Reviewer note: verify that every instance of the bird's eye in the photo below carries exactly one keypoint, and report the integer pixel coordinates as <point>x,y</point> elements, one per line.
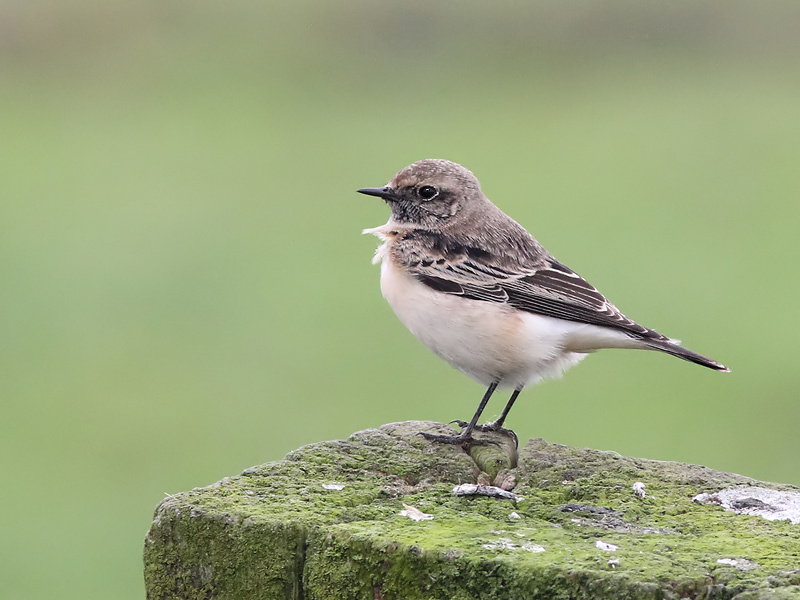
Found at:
<point>427,192</point>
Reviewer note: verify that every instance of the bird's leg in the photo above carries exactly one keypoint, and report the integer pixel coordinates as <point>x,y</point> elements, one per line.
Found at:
<point>496,425</point>
<point>465,437</point>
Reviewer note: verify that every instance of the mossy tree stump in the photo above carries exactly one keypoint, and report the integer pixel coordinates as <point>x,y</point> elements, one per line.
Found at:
<point>376,517</point>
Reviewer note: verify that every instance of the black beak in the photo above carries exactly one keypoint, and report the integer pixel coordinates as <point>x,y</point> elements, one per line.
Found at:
<point>386,193</point>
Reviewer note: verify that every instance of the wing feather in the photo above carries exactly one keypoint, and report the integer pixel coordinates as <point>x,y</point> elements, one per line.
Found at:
<point>530,280</point>
<point>546,288</point>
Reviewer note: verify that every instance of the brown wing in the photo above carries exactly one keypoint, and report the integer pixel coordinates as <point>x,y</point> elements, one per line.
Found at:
<point>541,285</point>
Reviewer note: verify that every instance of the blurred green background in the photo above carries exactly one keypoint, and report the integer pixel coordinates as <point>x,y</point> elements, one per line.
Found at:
<point>186,293</point>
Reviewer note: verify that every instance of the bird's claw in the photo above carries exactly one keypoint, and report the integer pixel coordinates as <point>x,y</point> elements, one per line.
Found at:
<point>492,427</point>
<point>465,441</point>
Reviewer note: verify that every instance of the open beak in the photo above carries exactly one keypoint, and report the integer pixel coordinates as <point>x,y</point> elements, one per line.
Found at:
<point>386,193</point>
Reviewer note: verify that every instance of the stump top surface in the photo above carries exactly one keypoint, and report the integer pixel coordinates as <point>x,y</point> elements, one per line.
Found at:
<point>375,516</point>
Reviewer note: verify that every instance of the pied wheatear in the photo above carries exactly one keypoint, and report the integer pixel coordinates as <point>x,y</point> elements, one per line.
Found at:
<point>478,290</point>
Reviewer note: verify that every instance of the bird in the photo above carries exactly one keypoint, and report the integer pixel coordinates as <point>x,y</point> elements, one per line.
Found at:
<point>484,295</point>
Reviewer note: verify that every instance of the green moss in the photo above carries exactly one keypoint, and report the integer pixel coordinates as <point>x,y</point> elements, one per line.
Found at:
<point>277,532</point>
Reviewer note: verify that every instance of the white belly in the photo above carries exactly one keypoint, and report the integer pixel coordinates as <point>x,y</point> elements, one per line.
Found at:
<point>491,341</point>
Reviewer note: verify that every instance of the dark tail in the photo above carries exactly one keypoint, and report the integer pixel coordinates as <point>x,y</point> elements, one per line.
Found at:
<point>676,350</point>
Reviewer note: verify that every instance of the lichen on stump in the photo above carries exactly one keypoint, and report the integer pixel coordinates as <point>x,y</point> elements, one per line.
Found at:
<point>375,517</point>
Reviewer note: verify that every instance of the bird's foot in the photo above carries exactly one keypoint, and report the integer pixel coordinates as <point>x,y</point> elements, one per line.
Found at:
<point>465,441</point>
<point>493,427</point>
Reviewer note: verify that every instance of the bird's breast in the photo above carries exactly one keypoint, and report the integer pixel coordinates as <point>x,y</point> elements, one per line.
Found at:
<point>488,341</point>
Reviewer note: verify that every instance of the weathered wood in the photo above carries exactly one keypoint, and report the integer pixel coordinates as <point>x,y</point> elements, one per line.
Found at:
<point>375,517</point>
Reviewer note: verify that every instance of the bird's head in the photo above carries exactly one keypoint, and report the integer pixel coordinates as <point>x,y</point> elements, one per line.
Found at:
<point>431,193</point>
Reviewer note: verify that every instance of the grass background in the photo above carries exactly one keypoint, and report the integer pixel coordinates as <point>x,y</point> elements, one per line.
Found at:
<point>185,292</point>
